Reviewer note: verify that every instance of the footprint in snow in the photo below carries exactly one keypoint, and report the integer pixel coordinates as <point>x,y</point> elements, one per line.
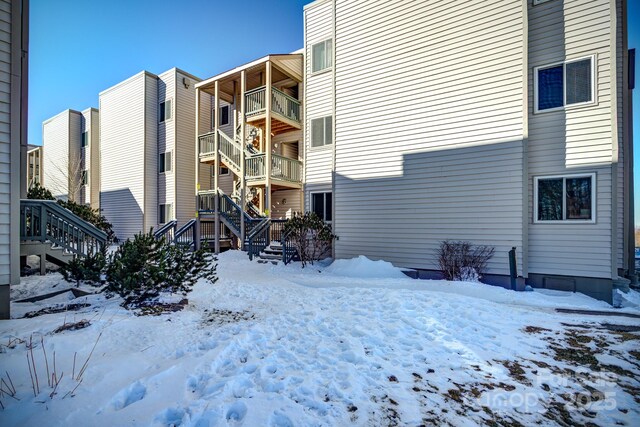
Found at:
<point>278,419</point>
<point>236,412</point>
<point>129,395</point>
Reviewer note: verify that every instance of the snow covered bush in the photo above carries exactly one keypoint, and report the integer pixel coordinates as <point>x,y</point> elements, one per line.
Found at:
<point>310,235</point>
<point>462,261</point>
<point>88,269</point>
<point>143,268</point>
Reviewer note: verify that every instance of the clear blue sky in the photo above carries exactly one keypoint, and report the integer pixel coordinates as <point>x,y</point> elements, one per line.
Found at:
<point>79,48</point>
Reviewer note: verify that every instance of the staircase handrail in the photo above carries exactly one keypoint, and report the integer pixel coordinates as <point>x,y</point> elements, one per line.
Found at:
<point>187,230</point>
<point>59,226</point>
<point>288,250</point>
<point>166,229</point>
<point>259,238</point>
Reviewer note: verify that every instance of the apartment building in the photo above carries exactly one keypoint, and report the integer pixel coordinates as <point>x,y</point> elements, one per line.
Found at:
<point>14,46</point>
<point>147,151</point>
<point>502,123</point>
<point>34,165</point>
<point>71,156</point>
<point>250,126</point>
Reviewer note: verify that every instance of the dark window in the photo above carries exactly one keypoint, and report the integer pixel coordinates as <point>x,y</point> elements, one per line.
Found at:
<point>85,177</point>
<point>84,141</point>
<point>165,111</point>
<point>321,205</point>
<point>322,131</point>
<point>164,162</point>
<point>165,213</point>
<point>565,198</point>
<point>224,115</point>
<point>564,84</point>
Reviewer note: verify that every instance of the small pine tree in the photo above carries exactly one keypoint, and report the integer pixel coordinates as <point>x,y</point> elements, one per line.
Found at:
<point>88,269</point>
<point>38,192</point>
<point>143,268</point>
<point>311,236</point>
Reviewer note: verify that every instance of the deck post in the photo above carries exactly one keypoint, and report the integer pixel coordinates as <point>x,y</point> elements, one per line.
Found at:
<point>243,111</point>
<point>267,137</point>
<point>216,164</point>
<point>197,187</point>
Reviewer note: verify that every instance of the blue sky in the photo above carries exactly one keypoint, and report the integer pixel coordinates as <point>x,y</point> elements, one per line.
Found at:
<point>79,48</point>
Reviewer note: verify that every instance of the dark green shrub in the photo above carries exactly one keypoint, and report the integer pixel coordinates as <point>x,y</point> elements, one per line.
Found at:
<point>143,268</point>
<point>88,269</point>
<point>310,235</point>
<point>38,192</point>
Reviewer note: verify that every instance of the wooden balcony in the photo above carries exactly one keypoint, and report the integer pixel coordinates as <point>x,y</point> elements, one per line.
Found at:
<point>285,172</point>
<point>285,110</point>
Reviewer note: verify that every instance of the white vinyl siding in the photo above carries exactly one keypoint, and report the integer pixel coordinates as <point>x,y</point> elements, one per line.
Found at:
<point>318,100</point>
<point>428,128</point>
<point>6,109</point>
<point>122,139</point>
<point>94,178</point>
<point>572,140</point>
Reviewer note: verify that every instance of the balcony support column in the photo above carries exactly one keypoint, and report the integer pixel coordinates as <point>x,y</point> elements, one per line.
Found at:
<point>216,164</point>
<point>197,181</point>
<point>243,112</point>
<point>267,138</point>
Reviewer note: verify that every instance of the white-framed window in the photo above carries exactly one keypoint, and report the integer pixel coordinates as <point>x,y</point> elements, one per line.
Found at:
<point>165,213</point>
<point>223,119</point>
<point>84,177</point>
<point>565,198</point>
<point>564,84</point>
<point>321,205</point>
<point>164,162</point>
<point>84,139</point>
<point>223,171</point>
<point>165,111</point>
<point>322,56</point>
<point>322,131</point>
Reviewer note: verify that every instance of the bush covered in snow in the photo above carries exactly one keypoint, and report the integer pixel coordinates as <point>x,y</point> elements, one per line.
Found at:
<point>88,269</point>
<point>143,268</point>
<point>463,261</point>
<point>310,235</point>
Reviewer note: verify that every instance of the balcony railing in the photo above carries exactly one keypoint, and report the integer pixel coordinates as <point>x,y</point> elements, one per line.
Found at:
<point>281,103</point>
<point>282,168</point>
<point>207,144</point>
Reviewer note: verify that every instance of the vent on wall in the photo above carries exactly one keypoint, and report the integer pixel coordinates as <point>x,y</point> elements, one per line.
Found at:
<point>186,82</point>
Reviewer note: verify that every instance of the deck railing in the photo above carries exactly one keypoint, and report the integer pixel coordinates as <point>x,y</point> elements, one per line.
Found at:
<point>47,221</point>
<point>167,231</point>
<point>207,144</point>
<point>230,150</point>
<point>281,103</point>
<point>254,167</point>
<point>286,169</point>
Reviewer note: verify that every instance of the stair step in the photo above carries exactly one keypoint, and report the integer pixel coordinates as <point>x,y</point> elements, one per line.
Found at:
<point>272,251</point>
<point>264,261</point>
<point>270,256</point>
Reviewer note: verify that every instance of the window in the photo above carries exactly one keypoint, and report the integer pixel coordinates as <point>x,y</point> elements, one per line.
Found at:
<point>564,198</point>
<point>223,119</point>
<point>164,162</point>
<point>223,171</point>
<point>84,177</point>
<point>564,84</point>
<point>165,110</point>
<point>84,140</point>
<point>165,213</point>
<point>535,2</point>
<point>321,205</point>
<point>321,131</point>
<point>322,56</point>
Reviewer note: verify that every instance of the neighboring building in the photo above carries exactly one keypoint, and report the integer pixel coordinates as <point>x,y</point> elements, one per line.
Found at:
<point>34,165</point>
<point>501,123</point>
<point>147,136</point>
<point>14,43</point>
<point>71,151</point>
<point>255,137</point>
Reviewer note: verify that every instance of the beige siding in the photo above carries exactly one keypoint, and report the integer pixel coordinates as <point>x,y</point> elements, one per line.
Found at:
<point>151,130</point>
<point>94,143</point>
<point>285,202</point>
<point>318,99</point>
<point>436,154</point>
<point>75,162</point>
<point>166,189</point>
<point>122,148</point>
<point>185,149</point>
<point>620,49</point>
<point>573,140</point>
<point>5,142</point>
<point>56,155</point>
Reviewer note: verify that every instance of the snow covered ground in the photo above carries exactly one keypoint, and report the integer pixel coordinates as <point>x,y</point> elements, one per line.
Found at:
<point>354,343</point>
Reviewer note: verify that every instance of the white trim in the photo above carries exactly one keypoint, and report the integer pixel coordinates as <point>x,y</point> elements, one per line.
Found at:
<point>594,84</point>
<point>591,175</point>
<point>536,2</point>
